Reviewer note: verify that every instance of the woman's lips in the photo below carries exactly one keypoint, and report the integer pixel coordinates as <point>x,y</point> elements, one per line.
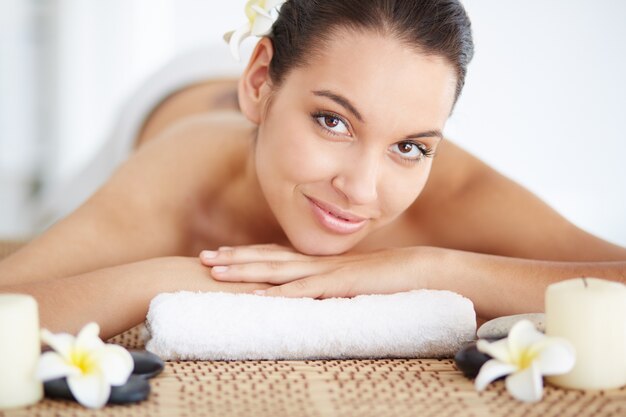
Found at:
<point>335,219</point>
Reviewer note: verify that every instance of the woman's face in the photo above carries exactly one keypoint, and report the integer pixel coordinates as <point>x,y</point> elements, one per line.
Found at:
<point>345,145</point>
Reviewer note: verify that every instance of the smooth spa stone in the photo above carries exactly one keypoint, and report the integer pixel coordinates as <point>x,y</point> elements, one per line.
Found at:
<point>469,360</point>
<point>500,327</point>
<point>147,364</point>
<point>136,389</point>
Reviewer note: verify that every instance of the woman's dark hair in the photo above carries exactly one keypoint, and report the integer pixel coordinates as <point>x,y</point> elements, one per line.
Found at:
<point>437,27</point>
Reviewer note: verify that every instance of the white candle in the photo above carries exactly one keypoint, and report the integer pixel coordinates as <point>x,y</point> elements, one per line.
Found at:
<point>590,313</point>
<point>19,351</point>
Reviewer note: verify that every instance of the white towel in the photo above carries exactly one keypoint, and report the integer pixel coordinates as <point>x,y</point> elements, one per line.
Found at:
<point>225,326</point>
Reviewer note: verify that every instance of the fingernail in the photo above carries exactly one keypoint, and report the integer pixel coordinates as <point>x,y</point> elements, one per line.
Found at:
<point>219,269</point>
<point>259,292</point>
<point>208,254</point>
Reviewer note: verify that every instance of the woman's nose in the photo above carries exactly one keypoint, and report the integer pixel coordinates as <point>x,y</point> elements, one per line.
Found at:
<point>358,179</point>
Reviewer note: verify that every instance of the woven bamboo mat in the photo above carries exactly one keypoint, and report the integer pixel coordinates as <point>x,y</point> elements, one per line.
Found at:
<point>384,387</point>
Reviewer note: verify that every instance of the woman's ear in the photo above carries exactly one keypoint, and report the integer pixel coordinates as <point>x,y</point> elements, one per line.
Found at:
<point>254,84</point>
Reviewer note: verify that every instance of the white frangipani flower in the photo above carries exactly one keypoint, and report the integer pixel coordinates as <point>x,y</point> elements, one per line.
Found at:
<point>527,355</point>
<point>261,16</point>
<point>90,365</point>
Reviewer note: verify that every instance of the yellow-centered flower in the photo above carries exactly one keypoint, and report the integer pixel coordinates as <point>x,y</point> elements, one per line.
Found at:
<point>526,354</point>
<point>90,365</point>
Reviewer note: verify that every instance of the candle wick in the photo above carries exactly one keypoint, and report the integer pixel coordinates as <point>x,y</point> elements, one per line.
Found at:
<point>585,282</point>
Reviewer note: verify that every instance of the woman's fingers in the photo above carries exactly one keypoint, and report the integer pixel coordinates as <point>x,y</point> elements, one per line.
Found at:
<point>273,272</point>
<point>318,286</point>
<point>248,254</point>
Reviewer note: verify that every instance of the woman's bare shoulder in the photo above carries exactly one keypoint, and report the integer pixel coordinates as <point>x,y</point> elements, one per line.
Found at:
<point>172,174</point>
<point>469,205</point>
<point>195,152</point>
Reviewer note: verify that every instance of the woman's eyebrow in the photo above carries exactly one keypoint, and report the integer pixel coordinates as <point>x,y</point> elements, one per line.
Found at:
<point>429,133</point>
<point>341,100</point>
<point>346,104</point>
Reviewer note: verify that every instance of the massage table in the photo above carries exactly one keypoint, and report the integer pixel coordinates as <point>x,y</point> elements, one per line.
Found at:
<point>381,387</point>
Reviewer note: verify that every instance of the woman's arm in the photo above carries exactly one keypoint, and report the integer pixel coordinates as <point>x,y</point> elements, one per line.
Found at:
<point>497,285</point>
<point>118,297</point>
<point>500,286</point>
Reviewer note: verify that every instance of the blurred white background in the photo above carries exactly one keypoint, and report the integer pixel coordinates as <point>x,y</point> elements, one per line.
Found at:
<point>543,102</point>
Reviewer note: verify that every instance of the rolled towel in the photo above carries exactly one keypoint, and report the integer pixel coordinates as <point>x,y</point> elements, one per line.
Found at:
<point>225,326</point>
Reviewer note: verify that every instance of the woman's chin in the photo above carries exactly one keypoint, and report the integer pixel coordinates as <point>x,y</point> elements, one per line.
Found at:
<point>322,247</point>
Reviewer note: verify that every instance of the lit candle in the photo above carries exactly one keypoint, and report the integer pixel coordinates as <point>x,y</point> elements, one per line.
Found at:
<point>591,314</point>
<point>19,351</point>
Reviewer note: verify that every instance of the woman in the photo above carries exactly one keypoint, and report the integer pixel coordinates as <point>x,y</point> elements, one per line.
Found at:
<point>317,187</point>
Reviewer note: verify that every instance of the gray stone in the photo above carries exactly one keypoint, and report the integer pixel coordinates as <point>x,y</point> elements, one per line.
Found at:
<point>499,327</point>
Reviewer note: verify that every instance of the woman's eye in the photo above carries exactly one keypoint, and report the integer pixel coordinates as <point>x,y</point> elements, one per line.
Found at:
<point>332,123</point>
<point>408,150</point>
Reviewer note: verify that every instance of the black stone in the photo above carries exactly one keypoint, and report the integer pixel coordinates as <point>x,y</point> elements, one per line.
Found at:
<point>136,389</point>
<point>147,364</point>
<point>57,388</point>
<point>469,360</point>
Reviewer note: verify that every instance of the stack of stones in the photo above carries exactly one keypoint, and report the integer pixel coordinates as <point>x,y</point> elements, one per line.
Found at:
<point>469,360</point>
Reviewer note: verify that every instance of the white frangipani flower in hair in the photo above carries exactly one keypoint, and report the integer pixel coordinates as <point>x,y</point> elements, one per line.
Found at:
<point>261,16</point>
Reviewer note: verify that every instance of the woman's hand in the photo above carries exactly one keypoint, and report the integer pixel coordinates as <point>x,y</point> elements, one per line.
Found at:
<point>297,275</point>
